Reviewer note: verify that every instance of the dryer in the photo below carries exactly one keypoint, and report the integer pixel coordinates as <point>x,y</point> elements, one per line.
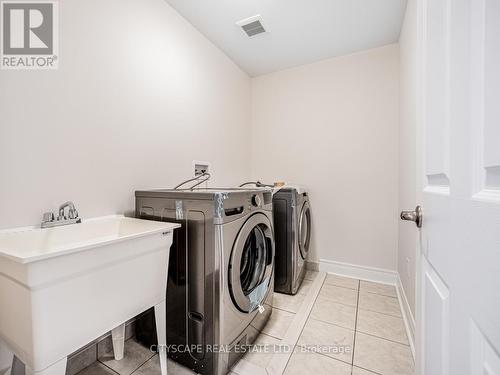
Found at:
<point>292,225</point>
<point>221,271</point>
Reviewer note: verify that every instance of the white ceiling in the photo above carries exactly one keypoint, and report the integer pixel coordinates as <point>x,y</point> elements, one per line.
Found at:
<point>300,31</point>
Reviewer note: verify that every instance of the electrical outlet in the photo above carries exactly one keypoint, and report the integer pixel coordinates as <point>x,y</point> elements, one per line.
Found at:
<point>200,167</point>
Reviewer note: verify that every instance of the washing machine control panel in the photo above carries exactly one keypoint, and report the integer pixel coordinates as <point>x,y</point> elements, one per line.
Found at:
<point>256,200</point>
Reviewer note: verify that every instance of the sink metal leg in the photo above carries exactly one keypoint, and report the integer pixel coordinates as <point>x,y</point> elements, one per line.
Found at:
<point>118,336</point>
<point>58,368</point>
<point>161,332</point>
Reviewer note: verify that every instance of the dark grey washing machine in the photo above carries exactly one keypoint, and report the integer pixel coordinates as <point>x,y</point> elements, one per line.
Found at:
<point>221,271</point>
<point>292,228</point>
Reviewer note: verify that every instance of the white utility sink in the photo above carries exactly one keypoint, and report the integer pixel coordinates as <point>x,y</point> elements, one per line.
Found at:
<point>63,287</point>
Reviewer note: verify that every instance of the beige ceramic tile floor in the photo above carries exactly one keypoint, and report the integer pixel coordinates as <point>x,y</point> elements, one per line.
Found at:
<point>354,328</point>
<point>137,360</point>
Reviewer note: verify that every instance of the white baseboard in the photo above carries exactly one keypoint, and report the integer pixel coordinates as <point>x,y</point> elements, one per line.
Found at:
<point>408,317</point>
<point>378,275</point>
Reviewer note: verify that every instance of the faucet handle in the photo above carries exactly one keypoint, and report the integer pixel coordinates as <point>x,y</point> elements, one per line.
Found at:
<point>48,216</point>
<point>62,207</point>
<point>72,213</point>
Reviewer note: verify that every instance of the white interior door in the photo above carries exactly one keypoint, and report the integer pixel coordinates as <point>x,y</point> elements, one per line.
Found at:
<point>458,313</point>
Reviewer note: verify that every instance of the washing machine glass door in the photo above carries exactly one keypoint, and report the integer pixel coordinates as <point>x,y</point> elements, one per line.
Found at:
<point>304,229</point>
<point>251,263</point>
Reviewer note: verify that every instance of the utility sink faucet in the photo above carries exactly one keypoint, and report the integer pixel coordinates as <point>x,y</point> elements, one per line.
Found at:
<point>62,219</point>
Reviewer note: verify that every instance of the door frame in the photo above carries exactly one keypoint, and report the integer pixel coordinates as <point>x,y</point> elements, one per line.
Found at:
<point>420,171</point>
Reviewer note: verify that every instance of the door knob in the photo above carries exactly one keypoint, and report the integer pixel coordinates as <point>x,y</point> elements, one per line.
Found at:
<point>415,216</point>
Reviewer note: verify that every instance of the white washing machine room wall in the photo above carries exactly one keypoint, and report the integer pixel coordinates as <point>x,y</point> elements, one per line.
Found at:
<point>221,271</point>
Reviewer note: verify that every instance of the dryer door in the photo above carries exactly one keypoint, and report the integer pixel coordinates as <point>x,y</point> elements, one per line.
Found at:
<point>251,263</point>
<point>304,229</point>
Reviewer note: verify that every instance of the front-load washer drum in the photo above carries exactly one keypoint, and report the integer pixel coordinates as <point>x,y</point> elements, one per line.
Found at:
<point>304,229</point>
<point>251,263</point>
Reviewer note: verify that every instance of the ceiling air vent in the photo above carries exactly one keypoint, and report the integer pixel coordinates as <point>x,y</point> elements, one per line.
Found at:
<point>252,26</point>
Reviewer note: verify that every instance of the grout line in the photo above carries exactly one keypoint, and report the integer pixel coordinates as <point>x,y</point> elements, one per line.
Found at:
<point>384,314</point>
<point>268,335</point>
<point>327,356</point>
<point>280,310</point>
<point>99,363</point>
<point>378,312</point>
<point>149,359</point>
<point>274,337</point>
<point>278,363</point>
<point>335,324</point>
<point>355,328</point>
<point>335,301</point>
<point>377,373</point>
<point>283,309</point>
<point>109,368</point>
<point>380,294</point>
<point>382,338</point>
<point>341,286</point>
<point>307,319</point>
